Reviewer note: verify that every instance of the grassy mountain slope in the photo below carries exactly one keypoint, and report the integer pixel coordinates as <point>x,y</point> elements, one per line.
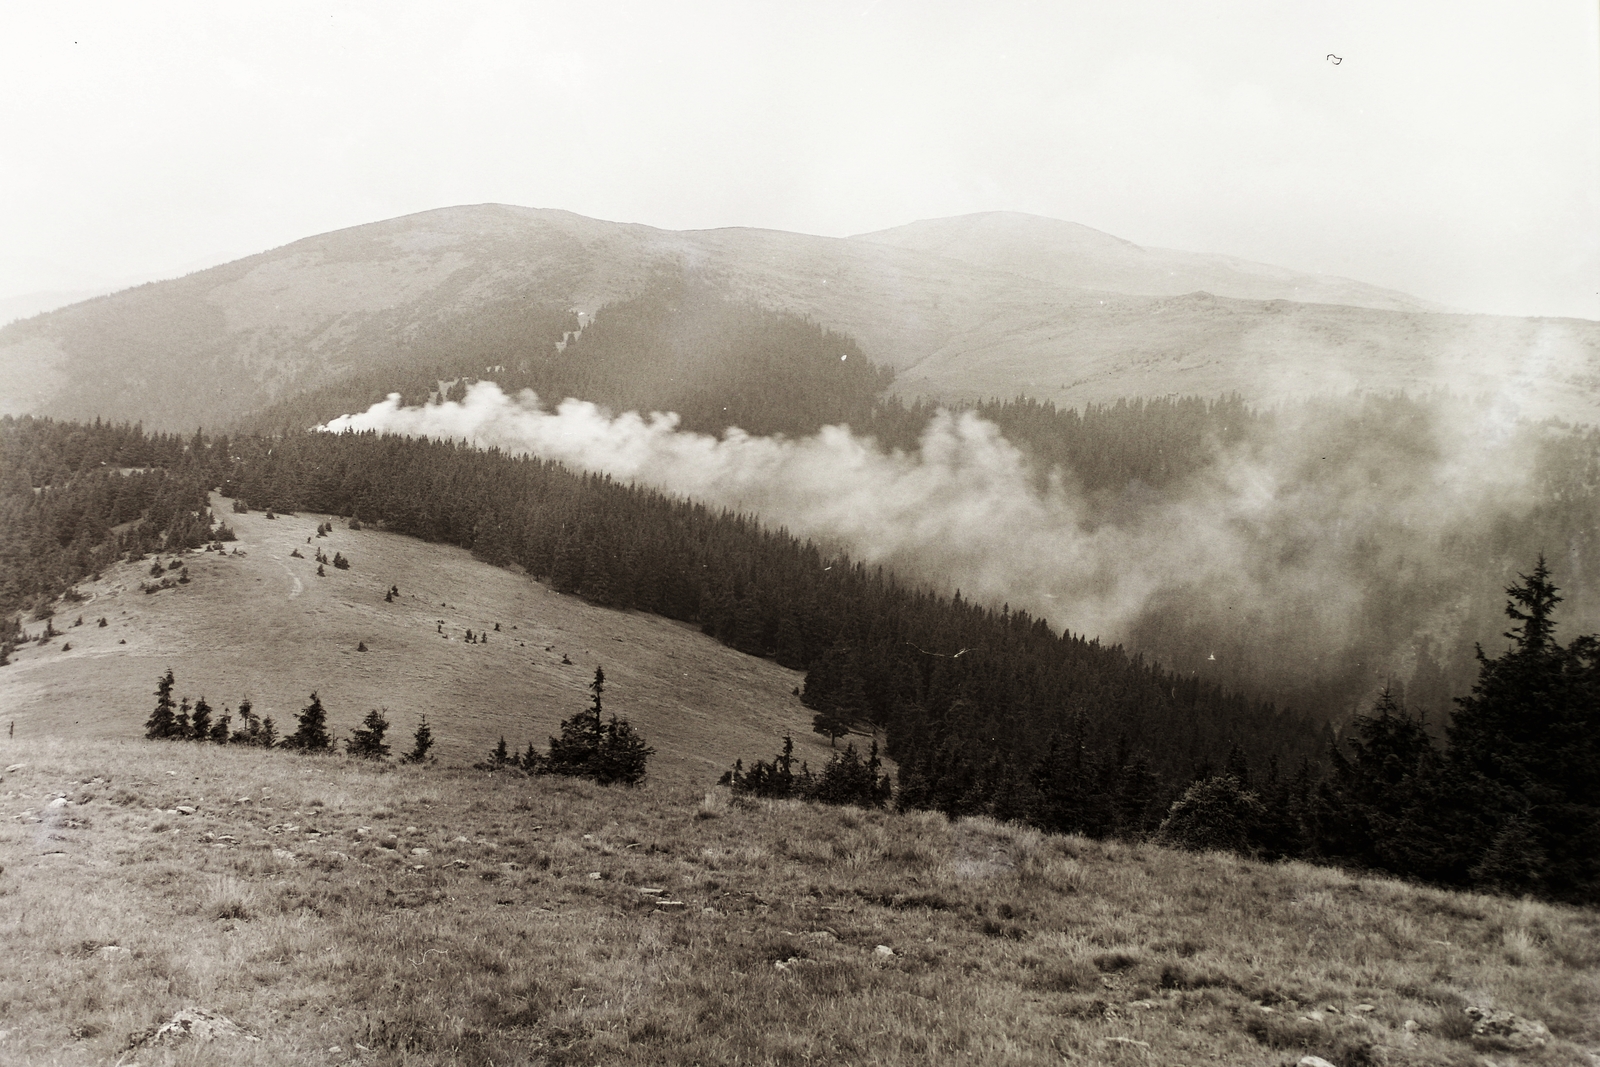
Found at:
<point>345,913</point>
<point>264,626</point>
<point>1071,255</point>
<point>968,308</point>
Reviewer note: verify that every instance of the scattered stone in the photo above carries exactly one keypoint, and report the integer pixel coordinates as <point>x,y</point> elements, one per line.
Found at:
<point>671,905</point>
<point>1364,1008</point>
<point>1506,1030</point>
<point>1313,1017</point>
<point>196,1023</point>
<point>460,865</point>
<point>421,852</point>
<point>335,1048</point>
<point>883,950</point>
<point>57,804</point>
<point>185,809</point>
<point>594,876</point>
<point>15,767</point>
<point>243,800</point>
<point>1313,1061</point>
<point>710,913</point>
<point>462,839</point>
<point>411,829</point>
<point>112,952</point>
<point>652,889</point>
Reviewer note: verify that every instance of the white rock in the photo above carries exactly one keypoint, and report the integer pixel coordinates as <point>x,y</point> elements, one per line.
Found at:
<point>671,905</point>
<point>57,804</point>
<point>10,769</point>
<point>185,809</point>
<point>594,876</point>
<point>1314,1061</point>
<point>421,852</point>
<point>883,950</point>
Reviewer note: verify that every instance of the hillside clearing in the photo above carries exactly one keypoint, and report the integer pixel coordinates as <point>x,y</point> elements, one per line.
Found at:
<point>264,625</point>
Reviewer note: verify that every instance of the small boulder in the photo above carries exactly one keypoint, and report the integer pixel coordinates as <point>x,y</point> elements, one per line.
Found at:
<point>1506,1030</point>
<point>189,1023</point>
<point>56,805</point>
<point>884,951</point>
<point>185,809</point>
<point>421,852</point>
<point>1313,1061</point>
<point>671,905</point>
<point>15,767</point>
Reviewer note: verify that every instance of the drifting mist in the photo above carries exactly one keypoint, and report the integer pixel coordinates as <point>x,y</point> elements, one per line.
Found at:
<point>1322,550</point>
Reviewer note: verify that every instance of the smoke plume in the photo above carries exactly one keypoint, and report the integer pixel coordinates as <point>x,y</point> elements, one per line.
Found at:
<point>1274,545</point>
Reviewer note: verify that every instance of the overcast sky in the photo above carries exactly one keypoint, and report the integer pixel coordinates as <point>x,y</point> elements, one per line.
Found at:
<point>1453,151</point>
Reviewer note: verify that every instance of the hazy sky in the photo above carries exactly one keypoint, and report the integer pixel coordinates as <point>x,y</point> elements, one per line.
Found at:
<point>1453,152</point>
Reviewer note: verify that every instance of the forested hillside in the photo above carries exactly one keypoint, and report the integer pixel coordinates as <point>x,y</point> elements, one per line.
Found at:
<point>681,347</point>
<point>986,711</point>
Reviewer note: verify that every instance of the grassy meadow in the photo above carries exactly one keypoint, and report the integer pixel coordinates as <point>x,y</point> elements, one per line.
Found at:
<point>349,912</point>
<point>344,912</point>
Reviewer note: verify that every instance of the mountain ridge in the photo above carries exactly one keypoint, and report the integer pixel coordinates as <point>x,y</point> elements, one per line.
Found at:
<point>213,347</point>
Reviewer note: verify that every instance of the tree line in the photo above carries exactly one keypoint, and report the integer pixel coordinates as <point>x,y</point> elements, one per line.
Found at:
<point>180,721</point>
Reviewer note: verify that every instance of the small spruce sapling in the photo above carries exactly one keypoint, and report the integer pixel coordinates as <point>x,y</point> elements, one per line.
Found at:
<point>423,740</point>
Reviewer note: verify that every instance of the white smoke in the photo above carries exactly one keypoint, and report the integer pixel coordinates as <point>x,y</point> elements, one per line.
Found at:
<point>1262,536</point>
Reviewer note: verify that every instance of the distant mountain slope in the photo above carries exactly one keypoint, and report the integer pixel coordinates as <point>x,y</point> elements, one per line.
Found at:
<point>964,308</point>
<point>1067,254</point>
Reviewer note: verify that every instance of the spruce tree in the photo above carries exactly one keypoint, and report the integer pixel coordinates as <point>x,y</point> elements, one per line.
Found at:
<point>311,735</point>
<point>366,741</point>
<point>1524,746</point>
<point>162,723</point>
<point>422,742</point>
<point>181,729</point>
<point>200,721</point>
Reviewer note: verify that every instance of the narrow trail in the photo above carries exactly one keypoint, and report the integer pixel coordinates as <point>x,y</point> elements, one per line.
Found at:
<point>297,585</point>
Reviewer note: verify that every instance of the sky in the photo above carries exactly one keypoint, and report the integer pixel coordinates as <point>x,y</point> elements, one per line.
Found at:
<point>1450,150</point>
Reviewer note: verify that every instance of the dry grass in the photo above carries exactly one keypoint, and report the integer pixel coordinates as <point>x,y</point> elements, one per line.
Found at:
<point>499,944</point>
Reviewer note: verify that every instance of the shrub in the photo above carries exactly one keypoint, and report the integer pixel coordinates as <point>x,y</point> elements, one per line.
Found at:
<point>1218,814</point>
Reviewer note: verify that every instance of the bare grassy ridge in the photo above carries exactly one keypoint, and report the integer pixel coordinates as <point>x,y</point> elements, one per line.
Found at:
<point>499,944</point>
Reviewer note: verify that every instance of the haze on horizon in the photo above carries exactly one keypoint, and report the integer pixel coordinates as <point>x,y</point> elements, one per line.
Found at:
<point>1452,152</point>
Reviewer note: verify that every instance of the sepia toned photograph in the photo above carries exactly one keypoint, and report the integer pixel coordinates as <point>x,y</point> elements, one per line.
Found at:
<point>886,532</point>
